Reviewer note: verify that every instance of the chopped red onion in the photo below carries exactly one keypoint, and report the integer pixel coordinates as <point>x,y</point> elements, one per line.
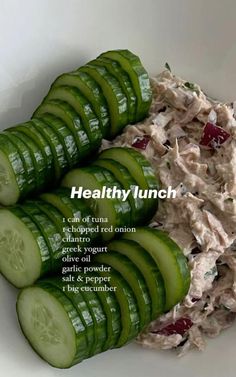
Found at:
<point>180,326</point>
<point>141,142</point>
<point>213,136</point>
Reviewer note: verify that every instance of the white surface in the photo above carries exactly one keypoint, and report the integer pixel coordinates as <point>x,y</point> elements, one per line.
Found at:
<point>40,39</point>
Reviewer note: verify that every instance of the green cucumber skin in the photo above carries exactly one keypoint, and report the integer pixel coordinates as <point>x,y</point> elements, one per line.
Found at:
<point>43,248</point>
<point>16,162</point>
<point>118,104</point>
<point>98,316</point>
<point>115,69</point>
<point>64,111</point>
<point>134,279</point>
<point>26,159</point>
<point>81,307</point>
<point>174,255</point>
<point>69,151</point>
<point>147,267</point>
<point>148,179</point>
<point>130,320</point>
<point>83,108</point>
<point>80,331</point>
<point>92,91</point>
<point>121,208</point>
<point>71,208</point>
<point>49,232</point>
<point>112,312</point>
<point>122,174</point>
<point>37,158</point>
<point>29,130</point>
<point>138,76</point>
<point>60,164</point>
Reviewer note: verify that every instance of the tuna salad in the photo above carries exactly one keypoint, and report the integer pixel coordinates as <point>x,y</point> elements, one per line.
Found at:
<point>190,140</point>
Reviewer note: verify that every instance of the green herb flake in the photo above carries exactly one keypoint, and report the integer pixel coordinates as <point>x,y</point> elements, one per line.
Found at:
<point>168,164</point>
<point>191,86</point>
<point>167,67</point>
<point>229,200</point>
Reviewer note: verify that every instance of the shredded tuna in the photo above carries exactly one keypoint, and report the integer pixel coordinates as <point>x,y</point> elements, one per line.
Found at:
<point>202,217</point>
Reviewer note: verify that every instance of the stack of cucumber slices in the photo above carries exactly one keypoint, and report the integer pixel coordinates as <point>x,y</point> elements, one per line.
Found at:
<point>35,235</point>
<point>82,107</point>
<point>146,275</point>
<point>138,275</point>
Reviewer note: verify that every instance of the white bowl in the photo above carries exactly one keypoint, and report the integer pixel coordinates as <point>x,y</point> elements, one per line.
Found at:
<point>39,40</point>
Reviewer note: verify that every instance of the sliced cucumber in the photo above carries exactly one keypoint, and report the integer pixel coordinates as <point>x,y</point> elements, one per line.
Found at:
<point>13,178</point>
<point>115,97</point>
<point>73,209</point>
<point>37,158</point>
<point>26,160</point>
<point>83,108</point>
<point>30,130</point>
<point>130,320</point>
<point>49,231</point>
<point>65,112</point>
<point>123,176</point>
<point>131,64</point>
<point>60,163</point>
<point>82,308</point>
<point>68,152</point>
<point>140,169</point>
<point>91,90</point>
<point>169,259</point>
<point>115,69</point>
<point>98,316</point>
<point>52,325</point>
<point>112,312</point>
<point>24,255</point>
<point>148,268</point>
<point>133,277</point>
<point>112,212</point>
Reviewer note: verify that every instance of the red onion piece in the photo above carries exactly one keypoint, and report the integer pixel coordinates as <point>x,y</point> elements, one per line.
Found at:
<point>180,326</point>
<point>213,136</point>
<point>141,142</point>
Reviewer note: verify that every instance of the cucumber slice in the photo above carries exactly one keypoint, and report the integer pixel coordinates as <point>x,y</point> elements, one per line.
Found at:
<point>133,277</point>
<point>68,152</point>
<point>81,306</point>
<point>57,219</point>
<point>29,130</point>
<point>147,267</point>
<point>131,64</point>
<point>26,160</point>
<point>83,108</point>
<point>126,180</point>
<point>52,325</point>
<point>98,316</point>
<point>112,212</point>
<point>130,320</point>
<point>13,178</point>
<point>73,209</point>
<point>24,255</point>
<point>65,112</point>
<point>112,312</point>
<point>60,163</point>
<point>50,233</point>
<point>115,97</point>
<point>92,91</point>
<point>37,158</point>
<point>115,69</point>
<point>140,169</point>
<point>169,259</point>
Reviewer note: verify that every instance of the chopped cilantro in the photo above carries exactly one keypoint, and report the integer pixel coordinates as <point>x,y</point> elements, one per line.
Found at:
<point>192,87</point>
<point>167,67</point>
<point>229,200</point>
